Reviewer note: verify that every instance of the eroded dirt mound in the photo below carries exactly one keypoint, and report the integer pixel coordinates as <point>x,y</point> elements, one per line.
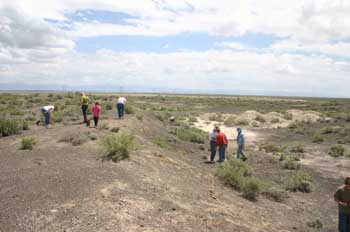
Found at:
<point>252,118</point>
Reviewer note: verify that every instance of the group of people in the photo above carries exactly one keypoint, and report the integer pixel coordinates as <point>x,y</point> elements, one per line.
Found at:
<point>85,102</point>
<point>219,142</point>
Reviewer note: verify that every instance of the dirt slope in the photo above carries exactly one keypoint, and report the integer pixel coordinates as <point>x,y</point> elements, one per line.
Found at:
<point>60,187</point>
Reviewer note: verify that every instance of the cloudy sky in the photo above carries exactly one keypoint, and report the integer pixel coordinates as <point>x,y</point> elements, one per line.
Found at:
<point>290,47</point>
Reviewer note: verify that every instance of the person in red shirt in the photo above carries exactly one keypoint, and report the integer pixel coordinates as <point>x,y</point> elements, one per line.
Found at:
<point>221,142</point>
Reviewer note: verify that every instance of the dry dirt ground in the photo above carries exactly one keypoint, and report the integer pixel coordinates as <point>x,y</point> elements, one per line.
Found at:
<point>61,187</point>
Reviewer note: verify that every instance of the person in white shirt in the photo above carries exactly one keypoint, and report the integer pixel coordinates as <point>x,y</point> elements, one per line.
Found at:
<point>213,147</point>
<point>47,110</point>
<point>121,106</point>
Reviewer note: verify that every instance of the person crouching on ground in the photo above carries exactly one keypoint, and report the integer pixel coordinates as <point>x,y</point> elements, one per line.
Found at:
<point>47,110</point>
<point>96,110</point>
<point>221,142</point>
<point>342,197</point>
<point>213,148</point>
<point>121,106</point>
<point>240,144</point>
<point>84,101</point>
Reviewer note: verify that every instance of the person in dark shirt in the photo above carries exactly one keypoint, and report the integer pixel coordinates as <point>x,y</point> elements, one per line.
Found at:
<point>342,197</point>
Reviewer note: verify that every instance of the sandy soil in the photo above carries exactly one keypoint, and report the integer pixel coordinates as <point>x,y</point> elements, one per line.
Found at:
<point>60,187</point>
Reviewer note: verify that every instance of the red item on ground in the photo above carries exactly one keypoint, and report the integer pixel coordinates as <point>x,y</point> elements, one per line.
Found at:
<point>221,139</point>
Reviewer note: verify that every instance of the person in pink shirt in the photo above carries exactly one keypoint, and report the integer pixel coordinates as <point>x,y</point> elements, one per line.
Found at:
<point>96,110</point>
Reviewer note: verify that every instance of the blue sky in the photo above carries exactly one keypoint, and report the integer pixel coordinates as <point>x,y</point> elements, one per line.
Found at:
<point>222,46</point>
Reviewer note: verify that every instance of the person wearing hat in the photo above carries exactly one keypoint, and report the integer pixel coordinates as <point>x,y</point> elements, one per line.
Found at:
<point>342,197</point>
<point>240,144</point>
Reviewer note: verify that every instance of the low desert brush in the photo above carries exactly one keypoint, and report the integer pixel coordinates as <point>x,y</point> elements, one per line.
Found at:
<point>27,143</point>
<point>300,182</point>
<point>117,147</point>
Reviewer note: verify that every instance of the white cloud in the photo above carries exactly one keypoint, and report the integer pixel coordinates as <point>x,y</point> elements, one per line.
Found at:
<point>224,70</point>
<point>35,51</point>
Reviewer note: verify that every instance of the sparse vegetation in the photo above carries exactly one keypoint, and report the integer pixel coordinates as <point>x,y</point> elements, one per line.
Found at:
<point>117,147</point>
<point>318,138</point>
<point>230,121</point>
<point>260,118</point>
<point>238,175</point>
<point>78,138</point>
<point>161,142</point>
<point>275,194</point>
<point>129,109</point>
<point>300,182</point>
<point>337,151</point>
<point>299,148</point>
<point>191,134</point>
<point>291,164</point>
<point>9,127</point>
<point>216,117</point>
<point>103,126</point>
<point>242,122</point>
<point>27,143</point>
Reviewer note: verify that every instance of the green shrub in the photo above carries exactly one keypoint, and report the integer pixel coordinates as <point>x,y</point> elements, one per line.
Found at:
<point>58,117</point>
<point>293,125</point>
<point>17,112</point>
<point>233,172</point>
<point>103,126</point>
<point>129,109</point>
<point>275,194</point>
<point>161,142</point>
<point>30,118</point>
<point>272,148</point>
<point>318,138</point>
<point>139,116</point>
<point>191,134</point>
<point>163,116</point>
<point>301,182</point>
<point>260,118</point>
<point>230,121</point>
<point>291,164</point>
<point>299,148</point>
<point>216,117</point>
<point>117,146</point>
<point>25,125</point>
<point>9,127</point>
<point>288,116</point>
<point>242,122</point>
<point>317,224</point>
<point>251,187</point>
<point>27,143</point>
<point>192,119</point>
<point>337,151</point>
<point>76,138</point>
<point>108,106</point>
<point>327,130</point>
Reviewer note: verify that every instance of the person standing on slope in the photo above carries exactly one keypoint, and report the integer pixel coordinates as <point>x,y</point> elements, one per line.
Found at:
<point>213,147</point>
<point>96,110</point>
<point>342,197</point>
<point>221,142</point>
<point>84,101</point>
<point>240,144</point>
<point>121,106</point>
